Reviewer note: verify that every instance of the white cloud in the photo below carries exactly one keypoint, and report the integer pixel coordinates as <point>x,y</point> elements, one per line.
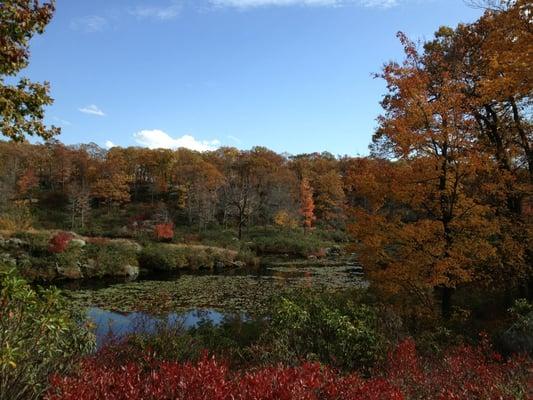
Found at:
<point>92,110</point>
<point>157,139</point>
<point>62,122</point>
<point>89,24</point>
<point>167,12</point>
<point>244,4</point>
<point>380,3</point>
<point>109,144</point>
<point>235,139</point>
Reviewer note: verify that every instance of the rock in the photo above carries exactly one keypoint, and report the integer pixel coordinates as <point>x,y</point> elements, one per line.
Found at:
<point>78,242</point>
<point>15,242</point>
<point>312,257</point>
<point>239,264</point>
<point>220,265</point>
<point>131,271</point>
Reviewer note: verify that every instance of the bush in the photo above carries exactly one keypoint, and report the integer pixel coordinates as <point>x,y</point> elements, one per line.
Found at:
<point>317,328</point>
<point>233,340</point>
<point>168,257</point>
<point>289,242</point>
<point>158,257</point>
<point>518,338</point>
<point>59,242</point>
<point>164,232</point>
<point>477,374</point>
<point>109,257</point>
<point>38,336</point>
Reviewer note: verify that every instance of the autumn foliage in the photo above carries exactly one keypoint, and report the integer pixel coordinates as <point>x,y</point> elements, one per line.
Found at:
<point>439,207</point>
<point>307,209</point>
<point>59,242</point>
<point>164,232</point>
<point>477,373</point>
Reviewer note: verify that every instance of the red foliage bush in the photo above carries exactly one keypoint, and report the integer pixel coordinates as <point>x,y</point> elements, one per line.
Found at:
<point>164,232</point>
<point>463,373</point>
<point>59,242</point>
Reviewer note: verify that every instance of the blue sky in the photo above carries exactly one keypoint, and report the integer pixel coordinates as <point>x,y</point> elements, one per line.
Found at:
<point>291,75</point>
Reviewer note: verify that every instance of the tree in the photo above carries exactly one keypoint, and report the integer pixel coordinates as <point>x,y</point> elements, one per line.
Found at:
<point>440,236</point>
<point>307,209</point>
<point>79,206</point>
<point>22,105</point>
<point>199,181</point>
<point>491,61</point>
<point>112,184</point>
<point>27,183</point>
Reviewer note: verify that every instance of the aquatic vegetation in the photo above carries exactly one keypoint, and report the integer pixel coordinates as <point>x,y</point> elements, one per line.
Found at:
<point>229,293</point>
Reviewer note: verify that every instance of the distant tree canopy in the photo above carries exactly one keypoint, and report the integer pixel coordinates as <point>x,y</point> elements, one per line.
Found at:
<point>226,187</point>
<point>22,104</point>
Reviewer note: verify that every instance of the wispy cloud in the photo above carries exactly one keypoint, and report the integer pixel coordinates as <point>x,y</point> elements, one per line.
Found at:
<point>380,3</point>
<point>92,110</point>
<point>157,139</point>
<point>245,4</point>
<point>235,139</point>
<point>163,12</point>
<point>89,24</point>
<point>62,122</point>
<point>109,144</point>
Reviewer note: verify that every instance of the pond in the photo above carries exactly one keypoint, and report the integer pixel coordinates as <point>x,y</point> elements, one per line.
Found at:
<point>119,308</point>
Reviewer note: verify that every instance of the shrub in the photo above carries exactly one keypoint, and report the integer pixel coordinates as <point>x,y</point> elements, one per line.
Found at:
<point>109,257</point>
<point>59,242</point>
<point>477,374</point>
<point>287,242</point>
<point>168,257</point>
<point>519,336</point>
<point>164,232</point>
<point>158,257</point>
<point>38,336</point>
<point>463,372</point>
<point>248,257</point>
<point>313,327</point>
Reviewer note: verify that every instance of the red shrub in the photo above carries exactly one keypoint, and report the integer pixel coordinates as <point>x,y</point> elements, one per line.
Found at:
<point>164,232</point>
<point>464,373</point>
<point>59,242</point>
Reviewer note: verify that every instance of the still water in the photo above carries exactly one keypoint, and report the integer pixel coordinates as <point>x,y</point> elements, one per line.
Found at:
<point>118,308</point>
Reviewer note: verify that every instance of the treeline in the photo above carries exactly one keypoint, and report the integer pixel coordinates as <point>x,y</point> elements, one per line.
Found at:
<point>226,187</point>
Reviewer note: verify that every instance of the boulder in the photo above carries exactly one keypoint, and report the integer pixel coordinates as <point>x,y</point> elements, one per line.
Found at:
<point>238,264</point>
<point>131,271</point>
<point>16,242</point>
<point>78,242</point>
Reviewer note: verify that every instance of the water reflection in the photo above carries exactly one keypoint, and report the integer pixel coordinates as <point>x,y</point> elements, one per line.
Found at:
<point>113,324</point>
<point>162,299</point>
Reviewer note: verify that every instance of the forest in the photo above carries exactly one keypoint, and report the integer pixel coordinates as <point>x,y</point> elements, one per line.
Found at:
<point>334,277</point>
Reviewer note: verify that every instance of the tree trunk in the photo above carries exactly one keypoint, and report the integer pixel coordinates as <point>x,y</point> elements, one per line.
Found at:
<point>446,302</point>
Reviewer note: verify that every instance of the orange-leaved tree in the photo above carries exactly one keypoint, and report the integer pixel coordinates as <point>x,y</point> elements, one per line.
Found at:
<point>424,231</point>
<point>307,209</point>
